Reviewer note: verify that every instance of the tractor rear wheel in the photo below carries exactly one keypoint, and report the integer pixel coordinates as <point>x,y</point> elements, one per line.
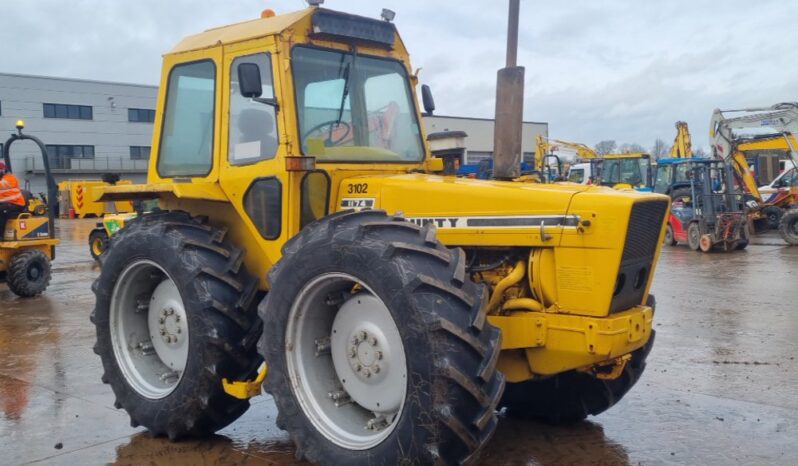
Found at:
<point>571,396</point>
<point>175,315</point>
<point>669,239</point>
<point>694,236</point>
<point>98,242</point>
<point>789,227</point>
<point>29,273</point>
<point>377,345</point>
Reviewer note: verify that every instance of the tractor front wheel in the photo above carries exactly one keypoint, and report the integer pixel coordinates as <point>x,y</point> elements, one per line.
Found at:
<point>29,273</point>
<point>174,316</point>
<point>377,345</point>
<point>789,227</point>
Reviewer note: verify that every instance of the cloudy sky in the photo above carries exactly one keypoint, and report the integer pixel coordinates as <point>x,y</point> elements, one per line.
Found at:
<point>622,69</point>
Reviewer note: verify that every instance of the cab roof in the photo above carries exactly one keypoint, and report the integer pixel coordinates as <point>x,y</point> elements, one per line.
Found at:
<point>324,23</point>
<point>230,34</point>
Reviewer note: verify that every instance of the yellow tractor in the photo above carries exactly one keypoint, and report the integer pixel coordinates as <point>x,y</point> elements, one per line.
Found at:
<point>28,243</point>
<point>306,239</point>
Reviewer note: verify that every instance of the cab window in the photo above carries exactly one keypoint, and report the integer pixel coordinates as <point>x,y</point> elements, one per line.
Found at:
<point>576,175</point>
<point>186,147</point>
<point>663,180</point>
<point>354,107</point>
<point>253,131</point>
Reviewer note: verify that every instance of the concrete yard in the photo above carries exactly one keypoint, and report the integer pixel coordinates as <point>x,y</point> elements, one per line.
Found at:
<point>721,385</point>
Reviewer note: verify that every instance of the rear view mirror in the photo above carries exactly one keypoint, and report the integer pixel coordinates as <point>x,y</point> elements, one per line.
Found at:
<point>426,98</point>
<point>249,82</point>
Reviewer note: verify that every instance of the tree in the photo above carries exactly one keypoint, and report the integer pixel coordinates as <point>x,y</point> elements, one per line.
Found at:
<point>605,147</point>
<point>699,152</point>
<point>627,148</point>
<point>659,149</point>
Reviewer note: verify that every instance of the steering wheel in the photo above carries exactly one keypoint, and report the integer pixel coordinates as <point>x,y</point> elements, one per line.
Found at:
<point>332,124</point>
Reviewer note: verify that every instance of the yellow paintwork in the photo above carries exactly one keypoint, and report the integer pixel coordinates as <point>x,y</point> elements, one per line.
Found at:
<point>83,197</point>
<point>556,342</point>
<point>682,146</point>
<point>246,389</point>
<point>778,142</point>
<point>571,270</point>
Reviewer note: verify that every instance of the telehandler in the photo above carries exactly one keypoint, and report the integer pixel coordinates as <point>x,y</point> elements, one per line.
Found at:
<point>382,304</point>
<point>27,246</point>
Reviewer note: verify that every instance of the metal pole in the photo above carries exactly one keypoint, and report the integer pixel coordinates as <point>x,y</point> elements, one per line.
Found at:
<point>512,33</point>
<point>507,134</point>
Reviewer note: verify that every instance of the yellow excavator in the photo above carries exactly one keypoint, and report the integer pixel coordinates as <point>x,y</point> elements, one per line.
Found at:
<point>780,208</point>
<point>682,147</point>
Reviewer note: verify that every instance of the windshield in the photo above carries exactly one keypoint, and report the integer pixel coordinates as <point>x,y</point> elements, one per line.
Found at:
<point>354,107</point>
<point>663,181</point>
<point>633,171</point>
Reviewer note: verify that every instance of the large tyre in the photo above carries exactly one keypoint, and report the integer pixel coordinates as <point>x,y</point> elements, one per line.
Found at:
<point>174,316</point>
<point>346,284</point>
<point>669,239</point>
<point>98,243</point>
<point>789,227</point>
<point>29,273</point>
<point>773,215</point>
<point>694,236</point>
<point>571,396</point>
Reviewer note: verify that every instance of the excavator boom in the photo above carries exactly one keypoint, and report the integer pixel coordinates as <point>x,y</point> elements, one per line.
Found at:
<point>682,147</point>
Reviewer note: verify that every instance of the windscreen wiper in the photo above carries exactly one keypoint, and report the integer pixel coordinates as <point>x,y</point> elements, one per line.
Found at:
<point>347,74</point>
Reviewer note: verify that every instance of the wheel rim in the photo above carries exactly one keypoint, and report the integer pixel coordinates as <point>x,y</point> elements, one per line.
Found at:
<point>97,246</point>
<point>694,237</point>
<point>149,329</point>
<point>346,361</point>
<point>34,272</point>
<point>668,235</point>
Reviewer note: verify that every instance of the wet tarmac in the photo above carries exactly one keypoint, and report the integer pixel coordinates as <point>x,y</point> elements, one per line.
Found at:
<point>721,386</point>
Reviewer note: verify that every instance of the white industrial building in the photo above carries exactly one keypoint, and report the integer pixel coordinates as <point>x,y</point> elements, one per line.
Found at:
<point>90,127</point>
<point>479,143</point>
<point>97,127</point>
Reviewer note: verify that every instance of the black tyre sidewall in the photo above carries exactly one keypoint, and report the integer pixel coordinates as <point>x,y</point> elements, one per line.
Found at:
<point>416,347</point>
<point>166,415</point>
<point>17,276</point>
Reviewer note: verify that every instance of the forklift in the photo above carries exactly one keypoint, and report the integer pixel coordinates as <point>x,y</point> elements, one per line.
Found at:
<point>708,210</point>
<point>27,246</point>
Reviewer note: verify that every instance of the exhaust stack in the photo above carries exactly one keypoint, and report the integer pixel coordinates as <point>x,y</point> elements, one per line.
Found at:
<point>507,152</point>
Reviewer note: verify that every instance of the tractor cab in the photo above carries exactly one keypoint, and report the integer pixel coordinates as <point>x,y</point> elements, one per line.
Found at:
<point>27,245</point>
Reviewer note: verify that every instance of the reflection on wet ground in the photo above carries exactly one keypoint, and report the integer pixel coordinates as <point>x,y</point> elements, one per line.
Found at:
<point>721,386</point>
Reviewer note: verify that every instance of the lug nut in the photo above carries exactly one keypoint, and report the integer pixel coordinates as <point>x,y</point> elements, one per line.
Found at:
<point>378,354</point>
<point>163,332</point>
<point>162,320</point>
<point>353,352</point>
<point>359,368</point>
<point>355,340</point>
<point>373,341</point>
<point>363,335</point>
<point>376,369</point>
<point>367,373</point>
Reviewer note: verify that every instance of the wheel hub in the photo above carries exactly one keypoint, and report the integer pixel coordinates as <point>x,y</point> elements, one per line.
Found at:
<point>362,344</point>
<point>167,324</point>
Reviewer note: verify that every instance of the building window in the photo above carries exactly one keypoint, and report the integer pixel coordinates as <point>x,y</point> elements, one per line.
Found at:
<point>140,115</point>
<point>139,152</point>
<point>61,154</point>
<point>73,112</point>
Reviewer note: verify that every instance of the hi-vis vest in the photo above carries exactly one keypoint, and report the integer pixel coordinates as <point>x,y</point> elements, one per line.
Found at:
<point>9,190</point>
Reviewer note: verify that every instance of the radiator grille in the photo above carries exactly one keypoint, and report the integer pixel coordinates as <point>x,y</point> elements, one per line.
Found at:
<point>642,235</point>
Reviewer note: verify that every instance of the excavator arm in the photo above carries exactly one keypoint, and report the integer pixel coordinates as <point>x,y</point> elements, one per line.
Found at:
<point>682,147</point>
<point>783,118</point>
